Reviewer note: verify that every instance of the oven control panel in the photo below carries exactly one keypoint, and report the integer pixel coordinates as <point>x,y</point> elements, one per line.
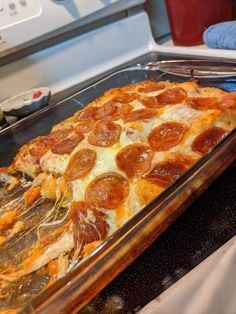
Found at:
<point>22,21</point>
<point>14,11</point>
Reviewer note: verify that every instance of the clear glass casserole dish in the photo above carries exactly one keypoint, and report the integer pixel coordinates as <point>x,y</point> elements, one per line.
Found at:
<point>89,276</point>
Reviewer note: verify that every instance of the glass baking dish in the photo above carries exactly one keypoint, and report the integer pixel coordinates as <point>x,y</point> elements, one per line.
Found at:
<point>89,276</point>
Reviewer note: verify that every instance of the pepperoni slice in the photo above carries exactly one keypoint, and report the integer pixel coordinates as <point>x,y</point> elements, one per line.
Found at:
<point>152,87</point>
<point>151,102</point>
<point>83,126</point>
<point>166,172</point>
<point>203,103</point>
<point>85,114</point>
<point>89,224</point>
<point>167,135</point>
<point>121,112</point>
<point>126,97</point>
<point>140,114</point>
<point>205,141</point>
<point>228,101</point>
<point>105,110</point>
<point>108,190</point>
<point>172,96</point>
<point>80,164</point>
<point>134,159</point>
<point>58,135</point>
<point>112,110</point>
<point>106,133</point>
<point>42,144</point>
<point>38,150</point>
<point>67,146</point>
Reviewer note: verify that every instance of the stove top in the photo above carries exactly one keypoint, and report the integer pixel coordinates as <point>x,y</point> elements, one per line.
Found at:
<point>204,227</point>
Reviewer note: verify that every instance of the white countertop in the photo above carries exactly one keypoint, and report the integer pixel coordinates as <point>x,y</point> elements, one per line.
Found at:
<point>210,288</point>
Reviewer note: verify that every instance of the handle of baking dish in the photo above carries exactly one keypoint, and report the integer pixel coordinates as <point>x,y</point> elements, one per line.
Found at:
<point>193,68</point>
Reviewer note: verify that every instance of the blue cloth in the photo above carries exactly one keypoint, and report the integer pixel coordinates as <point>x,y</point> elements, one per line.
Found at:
<point>221,35</point>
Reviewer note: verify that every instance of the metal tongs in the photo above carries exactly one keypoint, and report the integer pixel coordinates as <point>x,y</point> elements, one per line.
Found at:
<point>193,68</point>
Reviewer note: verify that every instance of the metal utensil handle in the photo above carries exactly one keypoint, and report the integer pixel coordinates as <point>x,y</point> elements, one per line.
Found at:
<point>193,68</point>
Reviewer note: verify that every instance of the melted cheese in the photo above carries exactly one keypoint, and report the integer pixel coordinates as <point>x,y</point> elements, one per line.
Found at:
<point>54,163</point>
<point>181,113</point>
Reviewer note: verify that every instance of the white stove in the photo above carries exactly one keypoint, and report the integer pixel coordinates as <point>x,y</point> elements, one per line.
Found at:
<point>63,43</point>
<point>22,21</point>
<point>104,35</point>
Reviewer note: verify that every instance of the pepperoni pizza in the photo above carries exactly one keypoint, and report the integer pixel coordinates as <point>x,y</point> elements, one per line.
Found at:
<point>124,148</point>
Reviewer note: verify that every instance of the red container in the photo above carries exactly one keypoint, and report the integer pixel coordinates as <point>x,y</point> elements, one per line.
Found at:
<point>189,18</point>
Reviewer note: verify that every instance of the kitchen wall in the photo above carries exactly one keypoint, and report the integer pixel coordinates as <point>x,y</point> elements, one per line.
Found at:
<point>157,12</point>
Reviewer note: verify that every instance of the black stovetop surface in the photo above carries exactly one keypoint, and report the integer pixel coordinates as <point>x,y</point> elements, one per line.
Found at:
<point>204,227</point>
